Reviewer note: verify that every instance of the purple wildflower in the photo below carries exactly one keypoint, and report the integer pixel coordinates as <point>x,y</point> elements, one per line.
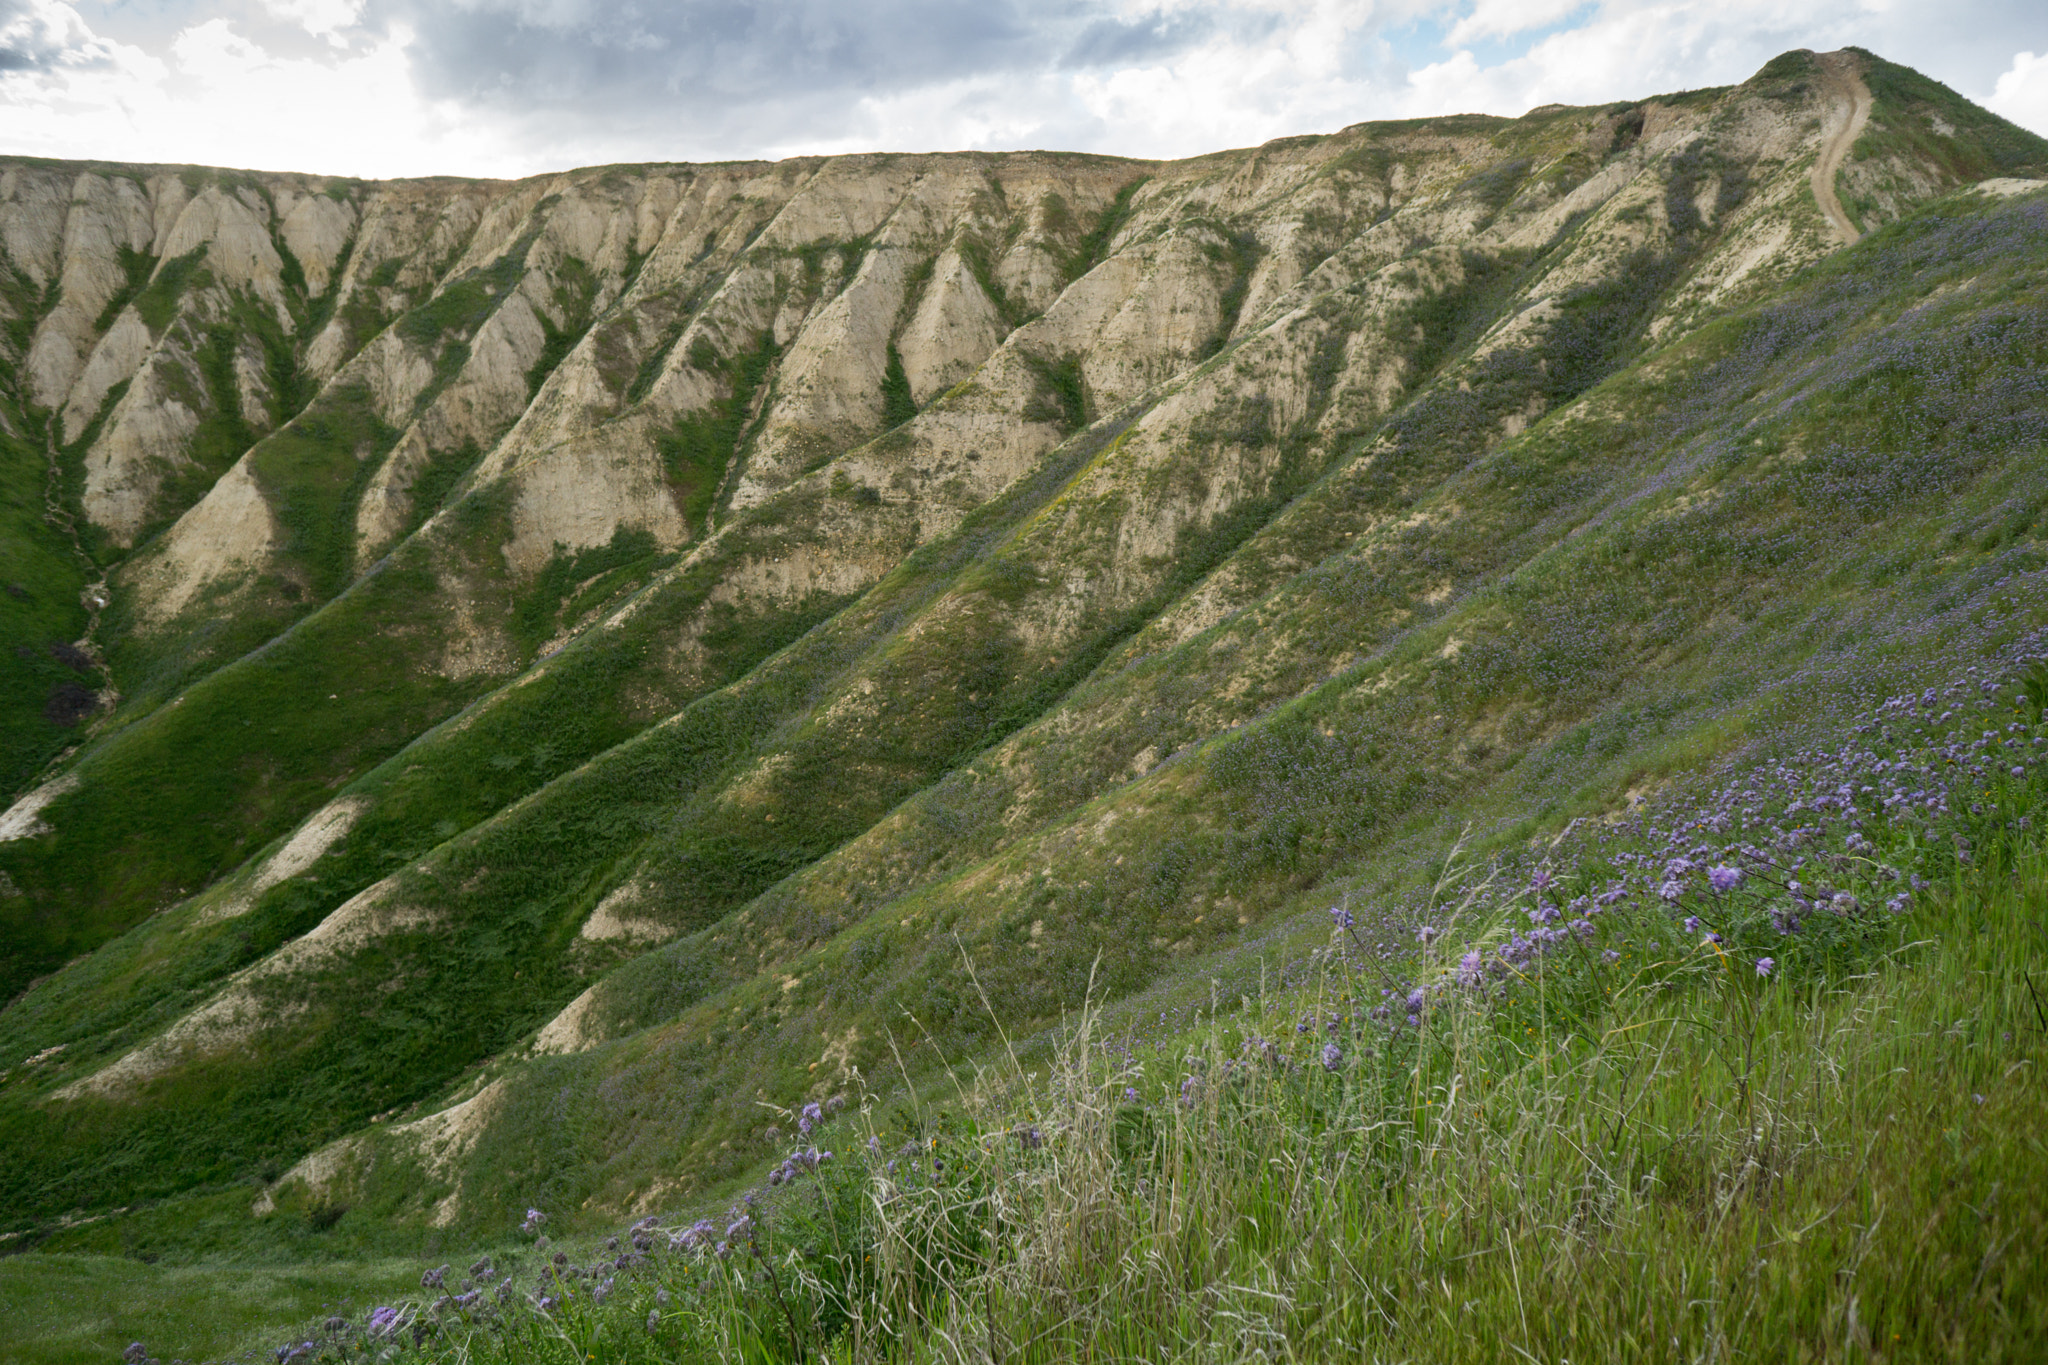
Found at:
<point>1671,890</point>
<point>1427,935</point>
<point>1341,916</point>
<point>1764,965</point>
<point>1333,1056</point>
<point>1724,878</point>
<point>1469,968</point>
<point>383,1321</point>
<point>1692,924</point>
<point>135,1354</point>
<point>653,1321</point>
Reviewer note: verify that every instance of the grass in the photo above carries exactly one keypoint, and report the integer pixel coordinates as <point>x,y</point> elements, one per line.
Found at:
<point>86,1309</point>
<point>1423,617</point>
<point>1323,774</point>
<point>1636,1144</point>
<point>40,615</point>
<point>698,448</point>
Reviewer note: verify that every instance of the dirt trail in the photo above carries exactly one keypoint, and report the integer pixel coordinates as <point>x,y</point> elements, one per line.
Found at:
<point>1849,109</point>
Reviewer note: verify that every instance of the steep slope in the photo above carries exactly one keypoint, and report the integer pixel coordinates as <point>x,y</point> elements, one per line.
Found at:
<point>836,567</point>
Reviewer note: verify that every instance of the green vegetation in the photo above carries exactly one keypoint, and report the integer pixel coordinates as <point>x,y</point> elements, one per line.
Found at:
<point>1013,313</point>
<point>1062,395</point>
<point>572,583</point>
<point>1980,144</point>
<point>315,471</point>
<point>157,304</point>
<point>1093,247</point>
<point>574,293</point>
<point>696,451</point>
<point>44,685</point>
<point>135,268</point>
<point>86,1309</point>
<point>963,745</point>
<point>898,406</point>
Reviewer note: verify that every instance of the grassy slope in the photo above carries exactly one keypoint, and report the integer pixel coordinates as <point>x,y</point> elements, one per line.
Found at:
<point>1711,599</point>
<point>1654,630</point>
<point>40,578</point>
<point>1597,1160</point>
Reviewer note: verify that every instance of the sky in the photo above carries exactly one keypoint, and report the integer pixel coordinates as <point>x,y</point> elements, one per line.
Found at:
<point>384,88</point>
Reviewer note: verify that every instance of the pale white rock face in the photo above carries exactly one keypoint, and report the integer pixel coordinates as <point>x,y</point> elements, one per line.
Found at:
<point>839,199</point>
<point>566,1032</point>
<point>24,819</point>
<point>486,396</point>
<point>2007,187</point>
<point>252,389</point>
<point>1162,326</point>
<point>315,228</point>
<point>387,507</point>
<point>613,918</point>
<point>499,223</point>
<point>1272,280</point>
<point>829,385</point>
<point>105,215</point>
<point>239,254</point>
<point>229,534</point>
<point>489,392</point>
<point>604,227</point>
<point>395,373</point>
<point>146,435</point>
<point>168,195</point>
<point>117,356</point>
<point>329,351</point>
<point>579,493</point>
<point>241,1011</point>
<point>308,844</point>
<point>730,323</point>
<point>417,226</point>
<point>1137,318</point>
<point>954,329</point>
<point>32,227</point>
<point>440,1142</point>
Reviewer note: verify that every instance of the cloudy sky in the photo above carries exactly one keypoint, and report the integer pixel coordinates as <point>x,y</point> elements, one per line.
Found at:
<point>514,87</point>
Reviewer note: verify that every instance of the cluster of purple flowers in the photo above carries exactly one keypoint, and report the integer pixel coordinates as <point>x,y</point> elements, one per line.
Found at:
<point>1775,852</point>
<point>797,1164</point>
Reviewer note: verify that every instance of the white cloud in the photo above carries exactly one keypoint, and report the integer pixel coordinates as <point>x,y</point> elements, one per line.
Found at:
<point>321,18</point>
<point>2022,92</point>
<point>215,98</point>
<point>339,86</point>
<point>1504,18</point>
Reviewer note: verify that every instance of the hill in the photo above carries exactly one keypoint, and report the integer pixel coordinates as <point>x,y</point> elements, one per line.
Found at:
<point>516,676</point>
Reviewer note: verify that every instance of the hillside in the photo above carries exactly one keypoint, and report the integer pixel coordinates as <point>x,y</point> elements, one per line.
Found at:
<point>514,675</point>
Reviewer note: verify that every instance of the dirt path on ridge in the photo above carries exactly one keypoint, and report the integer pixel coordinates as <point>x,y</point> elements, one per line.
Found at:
<point>1849,109</point>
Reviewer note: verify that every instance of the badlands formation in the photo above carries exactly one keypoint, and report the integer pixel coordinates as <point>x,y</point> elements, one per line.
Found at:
<point>515,664</point>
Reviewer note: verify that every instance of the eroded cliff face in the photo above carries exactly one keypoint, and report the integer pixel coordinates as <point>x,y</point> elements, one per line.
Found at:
<point>680,571</point>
